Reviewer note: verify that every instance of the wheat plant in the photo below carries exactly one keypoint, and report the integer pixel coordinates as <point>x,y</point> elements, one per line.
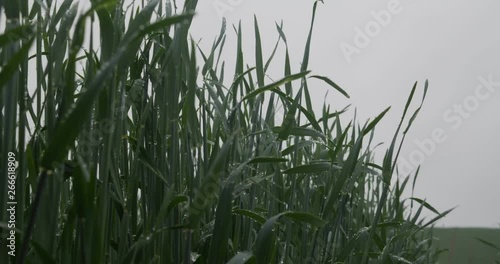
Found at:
<point>135,145</point>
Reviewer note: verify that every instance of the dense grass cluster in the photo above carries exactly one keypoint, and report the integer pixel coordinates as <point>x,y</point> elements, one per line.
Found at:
<point>143,150</point>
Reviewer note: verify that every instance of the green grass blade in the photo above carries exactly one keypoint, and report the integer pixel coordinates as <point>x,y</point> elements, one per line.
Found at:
<point>331,83</point>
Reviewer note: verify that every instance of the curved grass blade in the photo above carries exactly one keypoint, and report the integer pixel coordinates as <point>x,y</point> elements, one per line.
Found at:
<point>264,246</point>
<point>12,65</point>
<point>375,121</point>
<point>250,214</point>
<point>274,85</point>
<point>332,84</point>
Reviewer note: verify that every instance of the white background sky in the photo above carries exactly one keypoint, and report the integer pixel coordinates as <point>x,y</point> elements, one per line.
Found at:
<point>450,42</point>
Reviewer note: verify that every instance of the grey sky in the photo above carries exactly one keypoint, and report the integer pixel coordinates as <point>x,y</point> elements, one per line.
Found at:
<point>451,43</point>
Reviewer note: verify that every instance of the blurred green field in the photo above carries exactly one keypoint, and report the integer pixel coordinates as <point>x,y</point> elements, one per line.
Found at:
<point>465,248</point>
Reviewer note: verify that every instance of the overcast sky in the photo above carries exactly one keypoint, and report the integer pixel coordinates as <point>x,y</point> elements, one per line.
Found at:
<point>376,50</point>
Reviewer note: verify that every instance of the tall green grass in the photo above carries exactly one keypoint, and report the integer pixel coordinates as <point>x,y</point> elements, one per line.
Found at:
<point>143,150</point>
